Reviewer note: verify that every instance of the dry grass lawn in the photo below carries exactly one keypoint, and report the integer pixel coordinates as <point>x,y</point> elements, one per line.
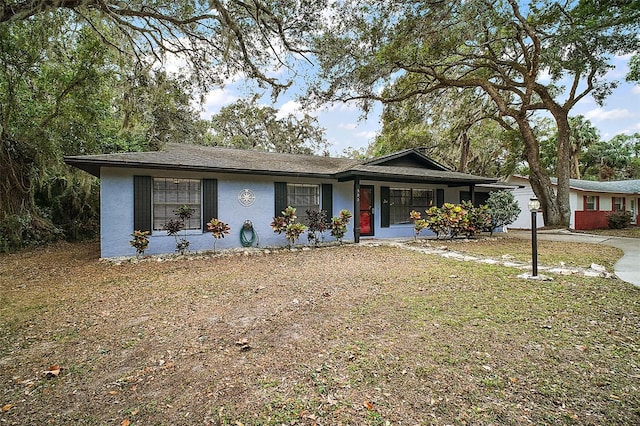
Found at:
<point>631,232</point>
<point>350,335</point>
<point>550,253</point>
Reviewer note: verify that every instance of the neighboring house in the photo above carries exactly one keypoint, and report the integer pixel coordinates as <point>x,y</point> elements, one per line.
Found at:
<point>590,201</point>
<point>140,191</point>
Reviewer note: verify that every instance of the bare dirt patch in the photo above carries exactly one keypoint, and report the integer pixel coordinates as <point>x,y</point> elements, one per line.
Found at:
<point>348,335</point>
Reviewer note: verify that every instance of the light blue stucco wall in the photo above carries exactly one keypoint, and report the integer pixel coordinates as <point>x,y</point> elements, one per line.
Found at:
<point>116,202</point>
<point>116,205</point>
<point>451,195</point>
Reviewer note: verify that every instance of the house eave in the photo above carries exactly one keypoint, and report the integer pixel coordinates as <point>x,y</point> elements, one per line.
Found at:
<point>93,167</point>
<point>386,177</point>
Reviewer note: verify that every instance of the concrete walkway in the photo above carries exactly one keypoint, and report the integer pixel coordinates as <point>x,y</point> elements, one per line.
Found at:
<point>627,268</point>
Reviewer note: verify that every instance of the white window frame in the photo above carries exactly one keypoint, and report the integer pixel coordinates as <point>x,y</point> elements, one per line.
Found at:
<point>169,194</point>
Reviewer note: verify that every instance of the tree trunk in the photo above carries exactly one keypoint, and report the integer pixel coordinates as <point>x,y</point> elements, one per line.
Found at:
<point>18,213</point>
<point>540,181</point>
<point>465,145</point>
<point>15,177</point>
<point>563,165</point>
<point>575,162</point>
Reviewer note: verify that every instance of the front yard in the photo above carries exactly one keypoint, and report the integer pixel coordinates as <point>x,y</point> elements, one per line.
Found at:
<point>349,335</point>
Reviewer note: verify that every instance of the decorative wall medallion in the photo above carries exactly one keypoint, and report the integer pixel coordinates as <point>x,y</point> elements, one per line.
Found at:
<point>246,197</point>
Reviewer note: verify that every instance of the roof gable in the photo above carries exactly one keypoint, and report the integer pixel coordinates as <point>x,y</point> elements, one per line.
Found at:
<point>407,158</point>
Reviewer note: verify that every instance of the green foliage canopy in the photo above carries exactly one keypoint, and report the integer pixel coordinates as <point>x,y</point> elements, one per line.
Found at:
<point>401,50</point>
<point>81,76</point>
<point>503,208</point>
<point>247,125</point>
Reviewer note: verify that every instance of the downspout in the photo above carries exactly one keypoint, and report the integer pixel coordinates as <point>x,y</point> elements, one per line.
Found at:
<point>472,193</point>
<point>356,210</point>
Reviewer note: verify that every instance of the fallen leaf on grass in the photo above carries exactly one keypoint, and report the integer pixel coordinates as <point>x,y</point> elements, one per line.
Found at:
<point>125,422</point>
<point>6,407</point>
<point>53,371</point>
<point>368,405</point>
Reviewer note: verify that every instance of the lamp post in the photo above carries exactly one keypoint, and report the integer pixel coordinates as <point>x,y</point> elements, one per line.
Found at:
<point>534,206</point>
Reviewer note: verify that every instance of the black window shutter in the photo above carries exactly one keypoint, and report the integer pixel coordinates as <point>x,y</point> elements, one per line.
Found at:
<point>385,205</point>
<point>439,197</point>
<point>209,201</point>
<point>142,203</point>
<point>327,200</point>
<point>280,196</point>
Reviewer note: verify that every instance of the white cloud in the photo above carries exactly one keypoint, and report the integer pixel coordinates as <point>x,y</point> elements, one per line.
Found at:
<point>635,90</point>
<point>624,57</point>
<point>290,107</point>
<point>342,106</point>
<point>367,135</point>
<point>544,76</point>
<point>215,100</point>
<point>347,126</point>
<point>600,114</point>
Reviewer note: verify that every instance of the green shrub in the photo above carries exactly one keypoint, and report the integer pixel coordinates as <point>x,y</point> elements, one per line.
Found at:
<point>450,220</point>
<point>339,224</point>
<point>478,219</point>
<point>287,224</point>
<point>619,219</point>
<point>418,223</point>
<point>317,225</point>
<point>503,208</point>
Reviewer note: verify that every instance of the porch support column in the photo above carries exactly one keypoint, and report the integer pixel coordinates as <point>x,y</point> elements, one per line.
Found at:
<point>356,210</point>
<point>472,193</point>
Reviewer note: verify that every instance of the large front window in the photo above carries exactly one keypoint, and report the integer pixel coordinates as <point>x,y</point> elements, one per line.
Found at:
<point>171,193</point>
<point>403,200</point>
<point>303,197</point>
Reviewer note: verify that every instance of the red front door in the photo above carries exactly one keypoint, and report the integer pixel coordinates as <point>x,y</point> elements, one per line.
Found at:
<point>366,211</point>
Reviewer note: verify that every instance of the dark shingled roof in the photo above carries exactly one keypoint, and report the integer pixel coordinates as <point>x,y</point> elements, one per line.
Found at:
<point>228,160</point>
<point>214,159</point>
<point>411,174</point>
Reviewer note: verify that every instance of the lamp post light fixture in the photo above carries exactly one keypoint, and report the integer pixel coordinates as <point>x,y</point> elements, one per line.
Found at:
<point>534,206</point>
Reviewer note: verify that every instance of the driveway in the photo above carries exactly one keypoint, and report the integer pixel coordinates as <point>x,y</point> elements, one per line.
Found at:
<point>627,268</point>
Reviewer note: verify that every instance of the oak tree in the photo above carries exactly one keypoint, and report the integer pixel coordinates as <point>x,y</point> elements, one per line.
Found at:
<point>528,58</point>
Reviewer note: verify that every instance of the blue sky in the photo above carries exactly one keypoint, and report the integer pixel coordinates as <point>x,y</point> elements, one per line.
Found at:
<point>344,126</point>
